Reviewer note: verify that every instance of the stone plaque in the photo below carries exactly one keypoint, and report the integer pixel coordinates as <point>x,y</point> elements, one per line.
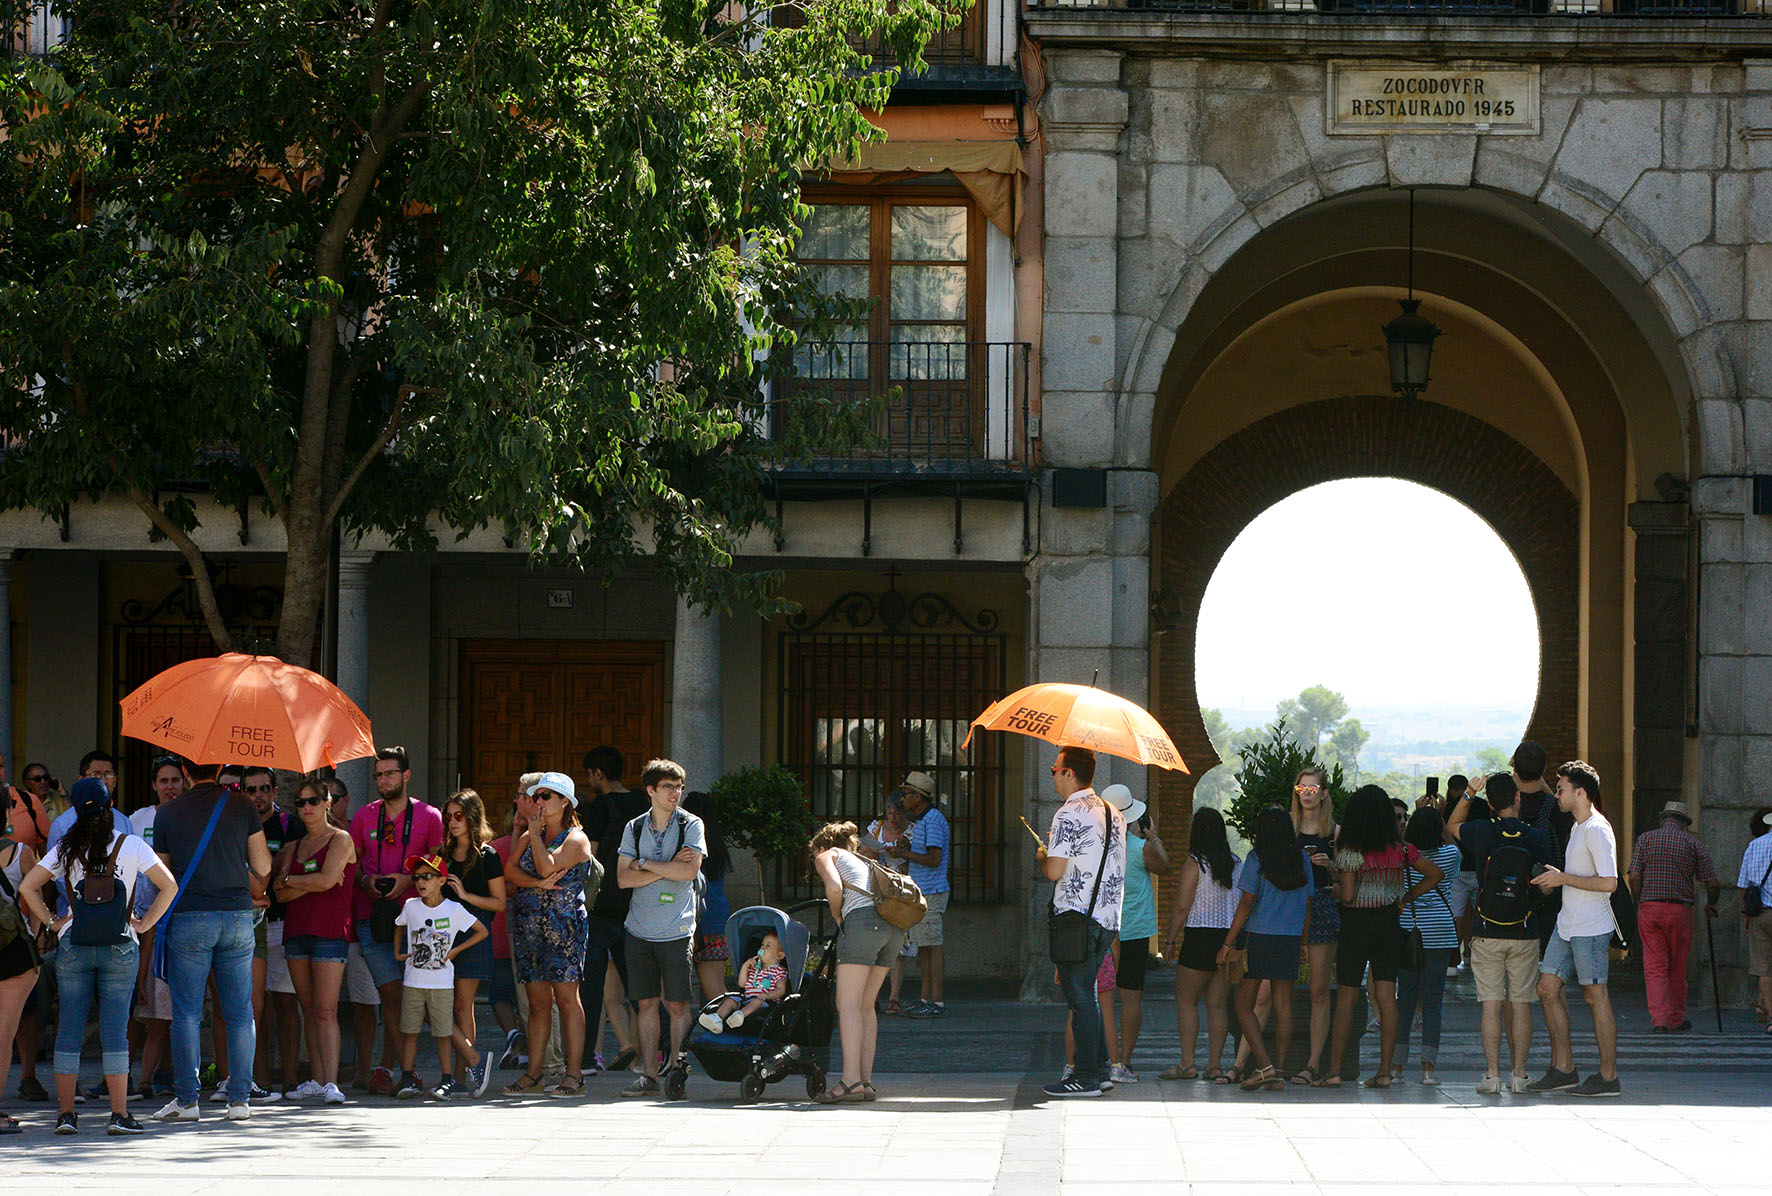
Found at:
<point>1413,97</point>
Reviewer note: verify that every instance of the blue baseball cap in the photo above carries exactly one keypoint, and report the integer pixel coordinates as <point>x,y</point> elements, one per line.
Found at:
<point>88,792</point>
<point>556,782</point>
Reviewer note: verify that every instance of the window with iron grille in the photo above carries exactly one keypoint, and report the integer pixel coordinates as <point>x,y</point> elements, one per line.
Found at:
<point>880,685</point>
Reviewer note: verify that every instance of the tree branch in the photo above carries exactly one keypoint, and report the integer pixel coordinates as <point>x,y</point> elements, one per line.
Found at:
<point>368,458</point>
<point>199,564</point>
<point>271,495</point>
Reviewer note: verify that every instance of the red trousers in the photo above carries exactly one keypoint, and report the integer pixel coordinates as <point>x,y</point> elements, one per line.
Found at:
<point>1666,927</point>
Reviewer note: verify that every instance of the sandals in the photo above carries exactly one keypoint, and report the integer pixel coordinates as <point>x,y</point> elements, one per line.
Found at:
<point>1260,1078</point>
<point>1307,1076</point>
<point>842,1093</point>
<point>1180,1072</point>
<point>868,1093</point>
<point>522,1084</point>
<point>1381,1080</point>
<point>568,1086</point>
<point>1215,1075</point>
<point>1233,1076</point>
<point>1329,1081</point>
<point>893,1009</point>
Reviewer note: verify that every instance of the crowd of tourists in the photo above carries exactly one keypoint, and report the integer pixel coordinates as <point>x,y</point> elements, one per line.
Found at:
<point>1513,877</point>
<point>600,911</point>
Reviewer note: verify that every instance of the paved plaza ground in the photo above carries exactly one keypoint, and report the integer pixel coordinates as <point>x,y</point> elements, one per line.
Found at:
<point>961,1112</point>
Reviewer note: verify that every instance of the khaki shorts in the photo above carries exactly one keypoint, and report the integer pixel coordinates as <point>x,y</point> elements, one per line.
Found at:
<point>1505,969</point>
<point>927,933</point>
<point>436,1003</point>
<point>1759,944</point>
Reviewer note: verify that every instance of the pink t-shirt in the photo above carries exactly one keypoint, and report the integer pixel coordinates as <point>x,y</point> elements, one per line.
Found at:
<point>386,855</point>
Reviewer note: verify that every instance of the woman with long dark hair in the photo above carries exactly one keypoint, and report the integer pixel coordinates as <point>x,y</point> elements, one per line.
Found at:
<point>1432,914</point>
<point>476,879</point>
<point>1371,861</point>
<point>1275,884</point>
<point>315,877</point>
<point>95,960</point>
<point>1205,902</point>
<point>548,933</point>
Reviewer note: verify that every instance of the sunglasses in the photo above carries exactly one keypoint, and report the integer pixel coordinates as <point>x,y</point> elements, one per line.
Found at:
<point>258,788</point>
<point>311,801</point>
<point>1307,790</point>
<point>421,877</point>
<point>37,778</point>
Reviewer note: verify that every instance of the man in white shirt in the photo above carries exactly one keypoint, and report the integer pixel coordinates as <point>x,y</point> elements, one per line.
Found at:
<point>1579,947</point>
<point>1085,856</point>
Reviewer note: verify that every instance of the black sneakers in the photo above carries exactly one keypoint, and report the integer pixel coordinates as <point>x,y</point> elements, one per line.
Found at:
<point>409,1087</point>
<point>66,1124</point>
<point>1071,1087</point>
<point>1554,1081</point>
<point>1595,1086</point>
<point>123,1125</point>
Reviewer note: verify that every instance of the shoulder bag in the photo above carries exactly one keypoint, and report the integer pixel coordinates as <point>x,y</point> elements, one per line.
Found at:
<point>1751,903</point>
<point>12,919</point>
<point>162,965</point>
<point>1068,931</point>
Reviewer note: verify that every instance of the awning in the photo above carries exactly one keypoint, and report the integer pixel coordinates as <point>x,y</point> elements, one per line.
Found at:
<point>989,170</point>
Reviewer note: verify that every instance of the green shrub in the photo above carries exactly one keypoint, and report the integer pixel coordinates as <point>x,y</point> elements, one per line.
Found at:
<point>764,811</point>
<point>1270,768</point>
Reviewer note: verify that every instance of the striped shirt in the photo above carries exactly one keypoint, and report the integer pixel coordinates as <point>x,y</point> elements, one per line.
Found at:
<point>1666,859</point>
<point>1435,912</point>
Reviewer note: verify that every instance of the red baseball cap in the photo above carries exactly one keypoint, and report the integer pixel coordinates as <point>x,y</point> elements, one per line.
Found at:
<point>434,862</point>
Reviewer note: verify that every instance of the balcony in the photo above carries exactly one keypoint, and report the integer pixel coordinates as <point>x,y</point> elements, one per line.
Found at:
<point>973,62</point>
<point>950,420</point>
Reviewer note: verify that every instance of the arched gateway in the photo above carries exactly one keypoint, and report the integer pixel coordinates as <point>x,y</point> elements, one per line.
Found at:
<point>1219,263</point>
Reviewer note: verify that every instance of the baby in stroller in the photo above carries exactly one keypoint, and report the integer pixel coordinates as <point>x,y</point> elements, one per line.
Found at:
<point>762,981</point>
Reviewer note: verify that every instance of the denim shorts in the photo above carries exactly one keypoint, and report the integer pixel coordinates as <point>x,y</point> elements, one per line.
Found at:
<point>1586,958</point>
<point>384,969</point>
<point>312,946</point>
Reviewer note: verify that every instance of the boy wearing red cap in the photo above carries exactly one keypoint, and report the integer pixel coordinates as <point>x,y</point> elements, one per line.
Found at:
<point>430,931</point>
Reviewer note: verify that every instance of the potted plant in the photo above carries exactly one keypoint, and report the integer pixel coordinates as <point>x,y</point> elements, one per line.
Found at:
<point>766,812</point>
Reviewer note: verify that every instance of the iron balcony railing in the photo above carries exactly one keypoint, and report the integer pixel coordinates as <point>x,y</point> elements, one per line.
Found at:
<point>985,36</point>
<point>1430,8</point>
<point>941,410</point>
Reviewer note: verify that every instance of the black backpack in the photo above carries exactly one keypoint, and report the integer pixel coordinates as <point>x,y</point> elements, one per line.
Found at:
<point>1504,897</point>
<point>101,906</point>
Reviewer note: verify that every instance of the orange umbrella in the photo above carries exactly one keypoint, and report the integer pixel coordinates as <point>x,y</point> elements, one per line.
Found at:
<point>1083,716</point>
<point>238,709</point>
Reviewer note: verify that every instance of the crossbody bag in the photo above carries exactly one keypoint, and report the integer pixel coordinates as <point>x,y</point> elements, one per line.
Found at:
<point>162,964</point>
<point>1068,931</point>
<point>1751,902</point>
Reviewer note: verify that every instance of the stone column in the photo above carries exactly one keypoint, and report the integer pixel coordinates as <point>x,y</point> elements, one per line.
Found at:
<point>353,661</point>
<point>696,705</point>
<point>13,766</point>
<point>1091,580</point>
<point>1663,648</point>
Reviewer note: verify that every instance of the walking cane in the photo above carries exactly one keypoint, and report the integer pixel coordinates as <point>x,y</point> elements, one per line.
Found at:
<point>1716,994</point>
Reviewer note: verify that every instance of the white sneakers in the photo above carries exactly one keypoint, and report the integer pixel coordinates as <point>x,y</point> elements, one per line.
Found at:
<point>240,1111</point>
<point>1119,1073</point>
<point>1522,1083</point>
<point>1489,1086</point>
<point>331,1095</point>
<point>710,1021</point>
<point>306,1090</point>
<point>173,1111</point>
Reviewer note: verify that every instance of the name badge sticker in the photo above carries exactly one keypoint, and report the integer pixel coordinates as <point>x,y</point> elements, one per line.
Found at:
<point>667,898</point>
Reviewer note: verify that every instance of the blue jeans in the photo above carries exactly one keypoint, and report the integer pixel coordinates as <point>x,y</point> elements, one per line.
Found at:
<point>196,943</point>
<point>1077,981</point>
<point>1428,989</point>
<point>83,973</point>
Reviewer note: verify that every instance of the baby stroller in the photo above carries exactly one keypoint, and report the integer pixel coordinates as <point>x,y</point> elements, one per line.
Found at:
<point>792,1037</point>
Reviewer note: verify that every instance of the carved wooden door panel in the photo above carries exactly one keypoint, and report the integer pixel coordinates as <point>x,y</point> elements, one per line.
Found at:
<point>538,706</point>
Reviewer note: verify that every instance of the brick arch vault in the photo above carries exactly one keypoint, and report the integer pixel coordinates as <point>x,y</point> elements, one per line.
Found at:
<point>1501,480</point>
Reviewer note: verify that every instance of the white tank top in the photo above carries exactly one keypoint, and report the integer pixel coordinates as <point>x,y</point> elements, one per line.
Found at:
<point>1214,904</point>
<point>852,870</point>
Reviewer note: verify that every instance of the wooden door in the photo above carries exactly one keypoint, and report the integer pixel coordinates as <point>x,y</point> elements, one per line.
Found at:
<point>540,705</point>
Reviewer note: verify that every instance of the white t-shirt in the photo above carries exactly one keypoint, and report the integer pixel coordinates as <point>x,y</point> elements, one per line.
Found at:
<point>133,858</point>
<point>430,933</point>
<point>1076,836</point>
<point>1592,851</point>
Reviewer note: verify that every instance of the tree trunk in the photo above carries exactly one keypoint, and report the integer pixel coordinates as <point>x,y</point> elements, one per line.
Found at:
<point>304,595</point>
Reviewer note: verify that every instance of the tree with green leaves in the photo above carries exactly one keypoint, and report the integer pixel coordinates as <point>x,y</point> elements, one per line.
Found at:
<point>1313,714</point>
<point>409,269</point>
<point>1270,768</point>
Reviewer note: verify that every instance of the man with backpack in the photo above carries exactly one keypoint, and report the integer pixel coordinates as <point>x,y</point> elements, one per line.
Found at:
<point>660,857</point>
<point>1506,853</point>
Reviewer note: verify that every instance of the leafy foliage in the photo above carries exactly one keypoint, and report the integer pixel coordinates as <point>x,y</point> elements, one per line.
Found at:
<point>423,269</point>
<point>1269,769</point>
<point>764,810</point>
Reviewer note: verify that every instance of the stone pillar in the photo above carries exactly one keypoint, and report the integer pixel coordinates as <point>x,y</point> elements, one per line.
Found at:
<point>353,661</point>
<point>12,765</point>
<point>696,700</point>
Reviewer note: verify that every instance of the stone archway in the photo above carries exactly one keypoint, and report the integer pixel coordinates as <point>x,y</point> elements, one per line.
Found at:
<point>1497,477</point>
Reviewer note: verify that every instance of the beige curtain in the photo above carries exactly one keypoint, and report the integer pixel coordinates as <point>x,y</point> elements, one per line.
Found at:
<point>989,170</point>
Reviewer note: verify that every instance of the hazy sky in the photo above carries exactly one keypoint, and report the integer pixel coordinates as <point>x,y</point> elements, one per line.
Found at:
<point>1398,620</point>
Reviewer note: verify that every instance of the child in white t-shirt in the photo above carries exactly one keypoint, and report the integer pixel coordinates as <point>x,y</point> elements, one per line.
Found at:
<point>430,931</point>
